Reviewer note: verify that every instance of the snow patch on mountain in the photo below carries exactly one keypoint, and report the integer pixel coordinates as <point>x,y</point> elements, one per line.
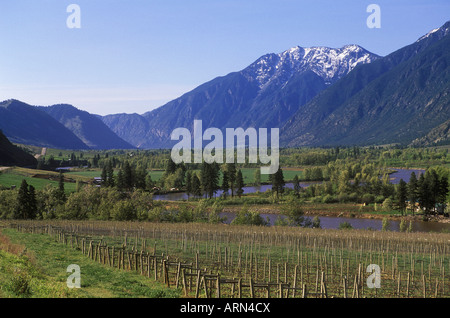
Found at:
<point>329,63</point>
<point>439,32</point>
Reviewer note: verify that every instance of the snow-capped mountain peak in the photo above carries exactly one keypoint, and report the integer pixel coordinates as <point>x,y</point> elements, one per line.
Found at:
<point>329,63</point>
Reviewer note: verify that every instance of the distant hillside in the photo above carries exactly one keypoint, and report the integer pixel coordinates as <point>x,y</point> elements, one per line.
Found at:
<point>436,137</point>
<point>58,126</point>
<point>26,124</point>
<point>130,127</point>
<point>11,155</point>
<point>89,128</point>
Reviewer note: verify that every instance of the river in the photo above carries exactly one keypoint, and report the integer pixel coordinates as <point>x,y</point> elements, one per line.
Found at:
<point>394,177</point>
<point>328,222</point>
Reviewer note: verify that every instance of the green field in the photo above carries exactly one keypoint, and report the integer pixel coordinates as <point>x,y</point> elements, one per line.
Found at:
<point>13,178</point>
<point>96,173</point>
<point>85,173</point>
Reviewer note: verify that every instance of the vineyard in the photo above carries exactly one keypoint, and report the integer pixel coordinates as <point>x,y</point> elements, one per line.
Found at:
<point>205,260</point>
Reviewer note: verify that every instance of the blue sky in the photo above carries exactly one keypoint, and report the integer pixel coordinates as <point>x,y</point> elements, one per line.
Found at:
<point>132,56</point>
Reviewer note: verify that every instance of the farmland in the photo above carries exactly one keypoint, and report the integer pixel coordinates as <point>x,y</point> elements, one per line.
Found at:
<point>183,248</point>
<point>250,261</point>
<point>37,178</point>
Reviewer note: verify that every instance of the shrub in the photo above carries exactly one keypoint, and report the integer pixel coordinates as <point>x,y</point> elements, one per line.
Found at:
<point>316,222</point>
<point>343,197</point>
<point>214,214</point>
<point>329,199</point>
<point>388,205</point>
<point>379,199</point>
<point>402,226</point>
<point>280,221</point>
<point>124,211</point>
<point>246,217</point>
<point>409,230</point>
<point>20,283</point>
<point>368,198</point>
<point>294,214</point>
<point>345,226</point>
<point>385,224</point>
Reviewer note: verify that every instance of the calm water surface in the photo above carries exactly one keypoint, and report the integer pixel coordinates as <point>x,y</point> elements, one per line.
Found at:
<point>328,222</point>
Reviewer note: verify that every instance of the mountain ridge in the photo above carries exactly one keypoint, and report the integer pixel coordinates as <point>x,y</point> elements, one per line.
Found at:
<point>25,124</point>
<point>317,96</point>
<point>89,128</point>
<point>346,113</point>
<point>61,126</point>
<point>264,94</point>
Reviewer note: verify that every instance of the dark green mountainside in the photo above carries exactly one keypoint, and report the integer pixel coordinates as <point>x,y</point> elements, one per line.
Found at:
<point>436,137</point>
<point>11,155</point>
<point>396,99</point>
<point>26,124</point>
<point>58,126</point>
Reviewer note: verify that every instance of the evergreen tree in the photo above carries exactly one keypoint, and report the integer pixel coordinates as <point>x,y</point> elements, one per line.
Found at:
<point>32,202</point>
<point>120,180</point>
<point>139,180</point>
<point>257,176</point>
<point>189,182</point>
<point>196,186</point>
<point>26,202</point>
<point>434,184</point>
<point>424,195</point>
<point>239,183</point>
<point>110,173</point>
<point>210,178</point>
<point>231,170</point>
<point>171,167</point>
<point>104,177</point>
<point>22,201</point>
<point>278,183</point>
<point>402,195</point>
<point>180,175</point>
<point>297,187</point>
<point>95,161</point>
<point>225,184</point>
<point>61,195</point>
<point>128,177</point>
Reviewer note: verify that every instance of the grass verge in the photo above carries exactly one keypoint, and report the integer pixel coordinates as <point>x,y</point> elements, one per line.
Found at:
<point>43,273</point>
